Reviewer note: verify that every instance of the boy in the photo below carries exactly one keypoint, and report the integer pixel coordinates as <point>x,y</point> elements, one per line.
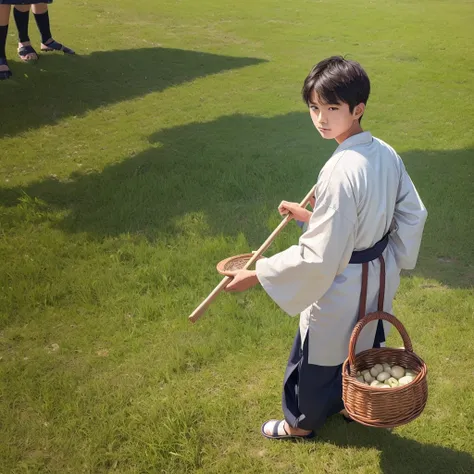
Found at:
<point>366,210</point>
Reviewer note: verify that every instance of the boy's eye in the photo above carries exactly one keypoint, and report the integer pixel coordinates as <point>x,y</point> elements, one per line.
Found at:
<point>313,107</point>
<point>333,108</point>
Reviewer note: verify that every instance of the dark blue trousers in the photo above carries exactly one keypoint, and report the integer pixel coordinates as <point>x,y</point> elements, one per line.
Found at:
<point>312,393</point>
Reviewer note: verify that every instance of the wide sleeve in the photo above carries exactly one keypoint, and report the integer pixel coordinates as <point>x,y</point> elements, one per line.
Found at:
<point>300,275</point>
<point>409,220</point>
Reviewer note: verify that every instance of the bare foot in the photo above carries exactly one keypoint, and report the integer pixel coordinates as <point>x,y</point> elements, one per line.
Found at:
<point>296,431</point>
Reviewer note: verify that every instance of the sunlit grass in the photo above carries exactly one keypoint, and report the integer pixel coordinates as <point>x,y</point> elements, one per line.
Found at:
<point>129,171</point>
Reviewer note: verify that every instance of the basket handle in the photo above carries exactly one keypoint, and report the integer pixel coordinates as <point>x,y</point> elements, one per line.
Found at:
<point>374,317</point>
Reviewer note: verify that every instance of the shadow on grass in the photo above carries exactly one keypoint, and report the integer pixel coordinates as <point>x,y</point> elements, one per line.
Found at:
<point>398,455</point>
<point>59,86</point>
<point>227,176</point>
<point>444,181</point>
<point>220,173</point>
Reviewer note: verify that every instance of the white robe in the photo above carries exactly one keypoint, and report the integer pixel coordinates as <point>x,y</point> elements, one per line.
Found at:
<point>362,191</point>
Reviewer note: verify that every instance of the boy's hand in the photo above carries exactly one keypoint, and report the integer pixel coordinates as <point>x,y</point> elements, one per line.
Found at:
<point>297,212</point>
<point>242,280</point>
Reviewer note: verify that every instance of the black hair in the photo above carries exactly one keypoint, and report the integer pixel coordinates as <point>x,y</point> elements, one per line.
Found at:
<point>337,80</point>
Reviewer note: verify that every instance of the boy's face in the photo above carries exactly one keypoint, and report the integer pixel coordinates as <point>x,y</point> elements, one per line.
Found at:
<point>335,121</point>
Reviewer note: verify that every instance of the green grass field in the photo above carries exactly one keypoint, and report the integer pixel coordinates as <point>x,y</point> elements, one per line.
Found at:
<point>128,171</point>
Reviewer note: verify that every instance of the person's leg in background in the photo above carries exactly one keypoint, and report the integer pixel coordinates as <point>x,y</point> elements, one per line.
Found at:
<point>21,13</point>
<point>41,13</point>
<point>5,72</point>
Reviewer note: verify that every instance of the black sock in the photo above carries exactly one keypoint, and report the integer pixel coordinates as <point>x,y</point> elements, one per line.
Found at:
<point>3,40</point>
<point>42,20</point>
<point>22,19</point>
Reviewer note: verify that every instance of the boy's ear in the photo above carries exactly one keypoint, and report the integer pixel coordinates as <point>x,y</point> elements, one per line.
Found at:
<point>359,111</point>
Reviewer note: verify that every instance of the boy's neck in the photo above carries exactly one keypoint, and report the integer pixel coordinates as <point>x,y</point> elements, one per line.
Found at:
<point>354,130</point>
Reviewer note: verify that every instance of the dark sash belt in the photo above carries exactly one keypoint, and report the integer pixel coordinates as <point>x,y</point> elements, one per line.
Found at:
<point>363,257</point>
<point>367,255</point>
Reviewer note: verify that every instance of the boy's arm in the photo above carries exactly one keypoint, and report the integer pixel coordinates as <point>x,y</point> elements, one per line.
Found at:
<point>302,274</point>
<point>409,219</point>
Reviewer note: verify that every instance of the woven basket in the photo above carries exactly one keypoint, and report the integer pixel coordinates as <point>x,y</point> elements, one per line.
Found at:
<point>225,267</point>
<point>380,407</point>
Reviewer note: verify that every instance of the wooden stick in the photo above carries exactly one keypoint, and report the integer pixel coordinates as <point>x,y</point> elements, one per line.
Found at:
<point>201,309</point>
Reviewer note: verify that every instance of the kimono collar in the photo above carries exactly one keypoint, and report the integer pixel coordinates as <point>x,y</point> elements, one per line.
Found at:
<point>358,139</point>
